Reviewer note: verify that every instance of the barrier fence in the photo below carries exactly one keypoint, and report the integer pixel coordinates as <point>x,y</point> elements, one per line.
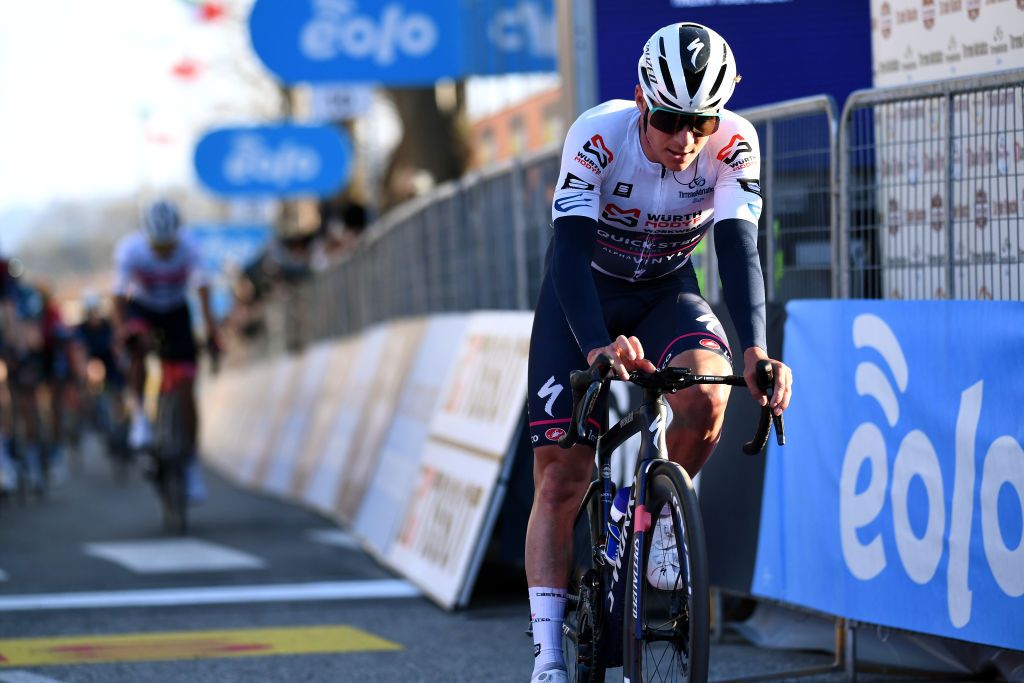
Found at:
<point>479,243</point>
<point>931,185</point>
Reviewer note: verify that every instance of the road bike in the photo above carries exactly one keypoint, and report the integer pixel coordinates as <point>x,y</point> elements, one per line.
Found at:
<point>615,616</point>
<point>172,447</point>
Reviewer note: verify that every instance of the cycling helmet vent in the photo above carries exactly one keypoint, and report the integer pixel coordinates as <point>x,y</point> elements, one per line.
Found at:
<point>693,55</point>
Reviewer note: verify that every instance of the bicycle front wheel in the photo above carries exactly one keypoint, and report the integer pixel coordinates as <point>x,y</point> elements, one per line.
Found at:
<point>668,638</point>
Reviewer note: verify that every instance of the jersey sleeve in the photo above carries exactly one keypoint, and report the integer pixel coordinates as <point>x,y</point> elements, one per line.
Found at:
<point>585,157</point>
<point>738,188</point>
<point>199,274</point>
<point>122,267</point>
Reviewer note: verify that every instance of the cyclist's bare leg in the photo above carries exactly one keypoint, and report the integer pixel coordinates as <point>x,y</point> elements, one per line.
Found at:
<point>560,478</point>
<point>697,412</point>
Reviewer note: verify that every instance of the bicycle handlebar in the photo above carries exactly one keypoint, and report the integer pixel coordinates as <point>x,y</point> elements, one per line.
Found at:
<point>587,384</point>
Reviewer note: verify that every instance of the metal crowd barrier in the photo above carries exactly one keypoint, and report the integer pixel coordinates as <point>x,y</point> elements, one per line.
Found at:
<point>480,242</point>
<point>932,178</point>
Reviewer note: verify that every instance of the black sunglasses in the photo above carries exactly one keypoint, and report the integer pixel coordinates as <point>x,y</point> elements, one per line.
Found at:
<point>671,121</point>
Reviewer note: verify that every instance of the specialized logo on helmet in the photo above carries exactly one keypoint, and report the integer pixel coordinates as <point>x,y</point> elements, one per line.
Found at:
<point>695,47</point>
<point>616,214</point>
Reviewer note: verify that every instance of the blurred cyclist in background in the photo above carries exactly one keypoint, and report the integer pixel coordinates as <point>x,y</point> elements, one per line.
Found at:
<point>103,380</point>
<point>8,473</point>
<point>58,380</point>
<point>155,269</point>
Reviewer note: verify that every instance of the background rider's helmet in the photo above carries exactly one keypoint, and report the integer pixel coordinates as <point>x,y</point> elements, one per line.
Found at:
<point>162,221</point>
<point>687,67</point>
<point>91,301</point>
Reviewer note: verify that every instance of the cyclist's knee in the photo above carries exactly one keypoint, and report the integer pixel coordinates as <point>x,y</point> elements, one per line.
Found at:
<point>561,476</point>
<point>701,406</point>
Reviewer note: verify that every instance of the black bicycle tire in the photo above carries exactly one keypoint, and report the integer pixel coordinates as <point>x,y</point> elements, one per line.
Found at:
<point>664,480</point>
<point>171,458</point>
<point>583,613</point>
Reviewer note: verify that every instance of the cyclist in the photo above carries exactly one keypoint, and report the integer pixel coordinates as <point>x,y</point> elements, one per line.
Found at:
<point>95,336</point>
<point>641,183</point>
<point>155,269</point>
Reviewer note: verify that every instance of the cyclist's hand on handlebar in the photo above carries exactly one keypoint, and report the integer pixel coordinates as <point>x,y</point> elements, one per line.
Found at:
<point>783,389</point>
<point>626,354</point>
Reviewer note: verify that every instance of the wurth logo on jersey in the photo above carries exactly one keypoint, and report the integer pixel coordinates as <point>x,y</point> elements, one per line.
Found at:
<point>598,151</point>
<point>663,221</point>
<point>733,153</point>
<point>616,214</point>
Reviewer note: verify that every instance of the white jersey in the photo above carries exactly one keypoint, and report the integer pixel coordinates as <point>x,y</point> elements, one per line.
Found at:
<point>156,283</point>
<point>650,219</point>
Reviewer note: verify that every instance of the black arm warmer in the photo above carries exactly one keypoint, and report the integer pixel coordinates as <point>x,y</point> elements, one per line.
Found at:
<point>742,283</point>
<point>572,276</point>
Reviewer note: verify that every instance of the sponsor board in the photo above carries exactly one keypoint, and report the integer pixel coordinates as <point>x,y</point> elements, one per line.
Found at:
<point>287,447</point>
<point>325,483</point>
<point>914,41</point>
<point>274,161</point>
<point>342,355</point>
<point>440,529</point>
<point>937,194</point>
<point>398,349</point>
<point>286,373</point>
<point>402,448</point>
<point>899,498</point>
<point>478,410</point>
<point>401,42</point>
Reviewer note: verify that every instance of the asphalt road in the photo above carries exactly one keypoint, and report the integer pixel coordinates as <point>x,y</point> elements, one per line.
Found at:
<point>262,591</point>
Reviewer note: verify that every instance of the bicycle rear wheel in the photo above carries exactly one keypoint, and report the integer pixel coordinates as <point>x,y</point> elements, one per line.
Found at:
<point>671,640</point>
<point>171,453</point>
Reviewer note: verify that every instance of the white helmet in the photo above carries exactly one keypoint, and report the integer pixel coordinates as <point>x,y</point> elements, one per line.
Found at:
<point>687,67</point>
<point>162,222</point>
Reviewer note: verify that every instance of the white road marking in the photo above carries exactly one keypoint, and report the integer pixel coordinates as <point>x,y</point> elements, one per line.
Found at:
<point>169,555</point>
<point>336,590</point>
<point>335,537</point>
<point>25,677</point>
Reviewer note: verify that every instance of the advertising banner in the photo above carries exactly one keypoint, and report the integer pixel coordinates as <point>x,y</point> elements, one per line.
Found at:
<point>274,161</point>
<point>226,249</point>
<point>899,498</point>
<point>258,412</point>
<point>399,455</point>
<point>284,378</point>
<point>399,347</point>
<point>917,149</point>
<point>401,42</point>
<point>288,444</point>
<point>324,411</point>
<point>474,425</point>
<point>325,484</point>
<point>914,41</point>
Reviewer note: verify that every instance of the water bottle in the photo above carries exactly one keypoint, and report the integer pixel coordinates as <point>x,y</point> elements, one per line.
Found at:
<point>618,511</point>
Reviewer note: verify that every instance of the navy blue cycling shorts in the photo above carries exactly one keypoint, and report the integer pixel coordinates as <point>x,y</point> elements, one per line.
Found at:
<point>667,315</point>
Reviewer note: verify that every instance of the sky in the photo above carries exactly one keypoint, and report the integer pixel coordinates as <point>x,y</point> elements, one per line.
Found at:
<point>90,104</point>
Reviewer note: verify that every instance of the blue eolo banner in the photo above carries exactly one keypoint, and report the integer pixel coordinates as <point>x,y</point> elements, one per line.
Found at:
<point>402,42</point>
<point>899,499</point>
<point>277,161</point>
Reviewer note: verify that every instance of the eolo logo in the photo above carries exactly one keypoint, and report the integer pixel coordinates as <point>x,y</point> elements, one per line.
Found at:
<point>920,553</point>
<point>337,29</point>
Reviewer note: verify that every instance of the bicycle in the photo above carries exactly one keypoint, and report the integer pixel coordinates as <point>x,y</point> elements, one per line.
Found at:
<point>664,633</point>
<point>172,447</point>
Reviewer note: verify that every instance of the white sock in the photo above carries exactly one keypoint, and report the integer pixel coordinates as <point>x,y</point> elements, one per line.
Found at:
<point>547,607</point>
